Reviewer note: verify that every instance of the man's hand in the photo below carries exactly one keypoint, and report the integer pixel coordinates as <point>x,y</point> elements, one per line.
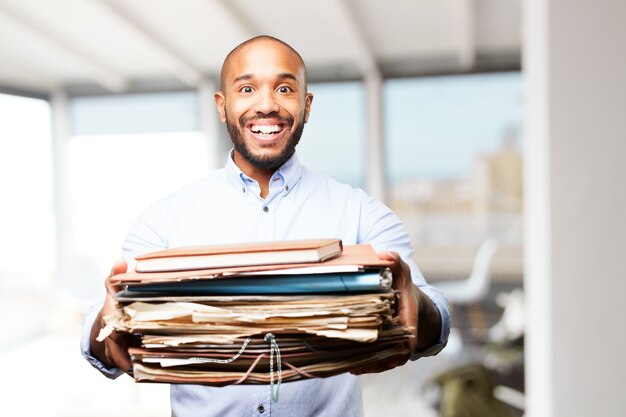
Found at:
<point>415,310</point>
<point>113,351</point>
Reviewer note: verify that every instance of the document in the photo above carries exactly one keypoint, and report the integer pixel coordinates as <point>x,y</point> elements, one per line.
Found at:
<point>221,326</point>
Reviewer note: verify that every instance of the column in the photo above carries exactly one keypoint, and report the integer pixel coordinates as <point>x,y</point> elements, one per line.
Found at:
<point>575,222</point>
<point>375,167</point>
<point>209,124</point>
<point>61,132</point>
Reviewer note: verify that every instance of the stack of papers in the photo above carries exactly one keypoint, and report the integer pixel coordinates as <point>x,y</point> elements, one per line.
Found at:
<point>240,324</point>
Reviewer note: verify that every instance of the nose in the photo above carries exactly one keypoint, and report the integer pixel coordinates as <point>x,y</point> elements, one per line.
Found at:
<point>266,102</point>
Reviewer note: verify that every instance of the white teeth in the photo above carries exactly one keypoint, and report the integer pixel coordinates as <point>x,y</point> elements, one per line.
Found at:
<point>265,129</point>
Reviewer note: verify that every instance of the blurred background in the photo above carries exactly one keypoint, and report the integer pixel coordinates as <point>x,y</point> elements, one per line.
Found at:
<point>494,128</point>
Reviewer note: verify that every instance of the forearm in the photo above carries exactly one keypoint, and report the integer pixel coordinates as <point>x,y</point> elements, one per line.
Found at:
<point>419,312</point>
<point>428,321</point>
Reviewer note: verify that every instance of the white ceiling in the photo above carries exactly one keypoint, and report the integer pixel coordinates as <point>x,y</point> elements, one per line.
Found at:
<point>116,45</point>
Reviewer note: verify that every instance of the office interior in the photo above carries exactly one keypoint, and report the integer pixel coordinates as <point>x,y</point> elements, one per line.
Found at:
<point>493,128</point>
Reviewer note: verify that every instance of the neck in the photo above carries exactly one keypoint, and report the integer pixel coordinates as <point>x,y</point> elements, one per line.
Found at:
<point>260,175</point>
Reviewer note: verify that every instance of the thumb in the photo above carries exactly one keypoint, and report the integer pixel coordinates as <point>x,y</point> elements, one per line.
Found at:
<point>119,267</point>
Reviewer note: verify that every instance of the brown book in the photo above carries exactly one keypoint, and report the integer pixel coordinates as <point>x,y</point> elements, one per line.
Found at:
<point>236,255</point>
<point>352,259</point>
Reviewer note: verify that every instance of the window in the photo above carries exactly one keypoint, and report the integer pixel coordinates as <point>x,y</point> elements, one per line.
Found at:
<point>27,224</point>
<point>334,139</point>
<point>454,161</point>
<point>128,151</point>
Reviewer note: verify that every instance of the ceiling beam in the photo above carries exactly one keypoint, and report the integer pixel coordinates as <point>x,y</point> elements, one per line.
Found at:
<point>184,70</point>
<point>22,70</point>
<point>23,92</point>
<point>372,78</point>
<point>244,24</point>
<point>467,34</point>
<point>365,57</point>
<point>98,71</point>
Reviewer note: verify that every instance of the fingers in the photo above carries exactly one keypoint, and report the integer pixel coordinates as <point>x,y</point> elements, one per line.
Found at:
<point>116,350</point>
<point>119,267</point>
<point>113,350</point>
<point>400,270</point>
<point>407,296</point>
<point>389,256</point>
<point>408,313</point>
<point>381,367</point>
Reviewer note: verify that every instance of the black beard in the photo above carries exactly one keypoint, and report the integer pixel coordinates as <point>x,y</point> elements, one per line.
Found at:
<point>264,162</point>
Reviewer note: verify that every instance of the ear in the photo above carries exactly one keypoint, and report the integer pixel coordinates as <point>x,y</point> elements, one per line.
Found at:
<point>220,101</point>
<point>308,99</point>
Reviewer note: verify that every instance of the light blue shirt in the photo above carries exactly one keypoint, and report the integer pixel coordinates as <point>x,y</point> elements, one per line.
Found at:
<point>226,207</point>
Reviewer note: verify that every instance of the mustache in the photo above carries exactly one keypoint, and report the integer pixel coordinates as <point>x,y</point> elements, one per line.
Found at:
<point>287,120</point>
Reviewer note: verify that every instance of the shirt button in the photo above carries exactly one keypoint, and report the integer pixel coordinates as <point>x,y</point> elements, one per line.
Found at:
<point>243,189</point>
<point>286,188</point>
<point>266,209</point>
<point>261,409</point>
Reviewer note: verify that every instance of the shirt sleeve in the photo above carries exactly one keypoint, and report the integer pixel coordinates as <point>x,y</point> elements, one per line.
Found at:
<point>384,230</point>
<point>85,345</point>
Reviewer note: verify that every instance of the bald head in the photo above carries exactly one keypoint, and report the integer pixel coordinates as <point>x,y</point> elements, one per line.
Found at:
<point>264,103</point>
<point>226,66</point>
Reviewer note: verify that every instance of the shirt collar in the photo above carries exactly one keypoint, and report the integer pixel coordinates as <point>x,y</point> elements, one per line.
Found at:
<point>290,171</point>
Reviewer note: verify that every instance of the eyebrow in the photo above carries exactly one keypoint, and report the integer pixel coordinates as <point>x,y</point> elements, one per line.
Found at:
<point>282,75</point>
<point>288,75</point>
<point>242,78</point>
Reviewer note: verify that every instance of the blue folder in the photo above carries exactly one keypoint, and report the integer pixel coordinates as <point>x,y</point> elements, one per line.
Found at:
<point>367,281</point>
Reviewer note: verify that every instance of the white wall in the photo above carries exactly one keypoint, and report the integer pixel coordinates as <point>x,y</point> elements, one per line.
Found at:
<point>575,74</point>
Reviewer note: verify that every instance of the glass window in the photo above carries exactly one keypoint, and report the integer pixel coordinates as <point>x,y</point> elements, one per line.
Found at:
<point>134,113</point>
<point>126,152</point>
<point>114,178</point>
<point>27,246</point>
<point>334,139</point>
<point>26,188</point>
<point>455,165</point>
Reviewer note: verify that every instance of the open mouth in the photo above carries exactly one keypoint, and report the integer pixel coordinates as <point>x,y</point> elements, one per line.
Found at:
<point>267,130</point>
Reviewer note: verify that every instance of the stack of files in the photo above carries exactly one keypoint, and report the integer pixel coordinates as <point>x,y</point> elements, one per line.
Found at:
<point>210,326</point>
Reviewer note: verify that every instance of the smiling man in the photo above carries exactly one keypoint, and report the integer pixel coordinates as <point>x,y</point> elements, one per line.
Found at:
<point>264,194</point>
<point>264,103</point>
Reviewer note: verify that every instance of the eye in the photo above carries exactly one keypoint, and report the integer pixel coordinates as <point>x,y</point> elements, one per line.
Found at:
<point>246,89</point>
<point>284,89</point>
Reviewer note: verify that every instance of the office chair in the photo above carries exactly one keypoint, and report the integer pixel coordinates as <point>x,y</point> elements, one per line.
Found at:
<point>476,286</point>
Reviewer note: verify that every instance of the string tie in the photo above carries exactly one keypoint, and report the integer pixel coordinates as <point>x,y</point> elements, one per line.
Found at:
<point>271,339</point>
<point>229,360</point>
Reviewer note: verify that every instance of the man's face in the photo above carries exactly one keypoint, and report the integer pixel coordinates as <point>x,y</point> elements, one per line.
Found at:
<point>264,103</point>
